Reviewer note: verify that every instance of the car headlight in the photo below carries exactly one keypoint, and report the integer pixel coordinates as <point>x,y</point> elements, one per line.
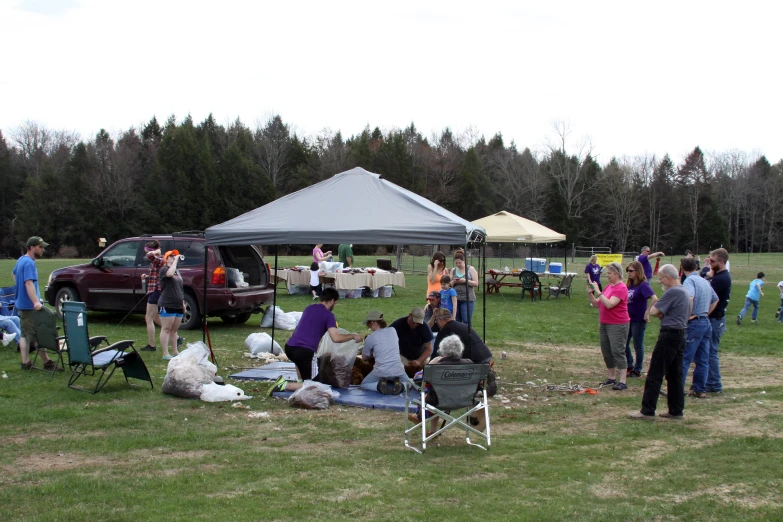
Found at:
<point>51,276</point>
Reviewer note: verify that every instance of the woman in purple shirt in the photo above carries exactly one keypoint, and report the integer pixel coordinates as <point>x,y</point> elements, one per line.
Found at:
<point>641,298</point>
<point>593,271</point>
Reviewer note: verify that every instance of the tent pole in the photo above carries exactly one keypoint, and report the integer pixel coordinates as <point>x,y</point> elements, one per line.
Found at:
<point>484,286</point>
<point>565,256</point>
<point>204,321</point>
<point>274,303</point>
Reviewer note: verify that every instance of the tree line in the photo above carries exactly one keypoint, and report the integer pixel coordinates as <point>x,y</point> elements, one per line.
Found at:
<point>184,175</point>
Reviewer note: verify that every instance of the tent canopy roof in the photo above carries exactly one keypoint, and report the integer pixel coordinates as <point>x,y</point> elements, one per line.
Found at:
<point>355,206</point>
<point>505,227</point>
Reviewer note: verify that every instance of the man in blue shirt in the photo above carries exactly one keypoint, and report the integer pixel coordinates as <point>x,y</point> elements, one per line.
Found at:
<point>697,347</point>
<point>28,298</point>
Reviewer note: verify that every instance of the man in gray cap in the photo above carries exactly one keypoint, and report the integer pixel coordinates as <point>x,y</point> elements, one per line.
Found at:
<point>28,298</point>
<point>415,338</point>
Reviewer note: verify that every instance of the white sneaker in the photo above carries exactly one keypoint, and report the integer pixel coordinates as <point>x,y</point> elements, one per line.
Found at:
<point>7,338</point>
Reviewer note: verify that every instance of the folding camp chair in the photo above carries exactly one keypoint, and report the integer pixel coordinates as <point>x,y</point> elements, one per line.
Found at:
<point>46,331</point>
<point>563,288</point>
<point>84,361</point>
<point>451,387</point>
<point>8,300</point>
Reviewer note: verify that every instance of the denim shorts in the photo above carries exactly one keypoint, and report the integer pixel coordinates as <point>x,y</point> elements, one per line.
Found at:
<point>170,312</point>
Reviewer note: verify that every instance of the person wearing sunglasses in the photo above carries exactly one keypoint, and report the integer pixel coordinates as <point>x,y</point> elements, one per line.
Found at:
<point>641,297</point>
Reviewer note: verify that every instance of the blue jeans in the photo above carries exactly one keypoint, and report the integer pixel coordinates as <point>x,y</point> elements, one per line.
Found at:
<point>371,381</point>
<point>697,349</point>
<point>465,311</point>
<point>748,302</point>
<point>713,377</point>
<point>636,332</point>
<point>11,324</point>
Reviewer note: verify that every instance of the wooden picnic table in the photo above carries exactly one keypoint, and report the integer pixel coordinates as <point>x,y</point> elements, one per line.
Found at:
<point>498,279</point>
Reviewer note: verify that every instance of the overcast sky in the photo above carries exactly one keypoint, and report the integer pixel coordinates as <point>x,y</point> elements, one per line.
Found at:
<point>634,77</point>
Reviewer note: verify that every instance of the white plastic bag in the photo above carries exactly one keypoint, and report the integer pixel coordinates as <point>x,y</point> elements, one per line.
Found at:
<point>188,372</point>
<point>313,395</point>
<point>259,342</point>
<point>266,321</point>
<point>216,393</point>
<point>283,321</point>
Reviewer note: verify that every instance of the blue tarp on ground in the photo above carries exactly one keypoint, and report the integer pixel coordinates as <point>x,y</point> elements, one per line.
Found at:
<point>353,396</point>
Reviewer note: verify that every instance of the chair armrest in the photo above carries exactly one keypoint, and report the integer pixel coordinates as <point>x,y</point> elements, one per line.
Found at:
<point>96,340</point>
<point>120,346</point>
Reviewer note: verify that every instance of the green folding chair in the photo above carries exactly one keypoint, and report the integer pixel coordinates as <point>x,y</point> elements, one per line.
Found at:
<point>451,387</point>
<point>84,361</point>
<point>48,340</point>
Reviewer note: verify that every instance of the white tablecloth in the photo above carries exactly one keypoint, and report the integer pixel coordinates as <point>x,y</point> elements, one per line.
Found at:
<point>344,281</point>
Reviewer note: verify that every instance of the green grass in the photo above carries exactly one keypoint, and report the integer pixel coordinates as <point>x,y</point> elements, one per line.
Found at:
<point>130,454</point>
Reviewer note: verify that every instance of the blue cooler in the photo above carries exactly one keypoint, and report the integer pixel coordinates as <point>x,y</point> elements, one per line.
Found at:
<point>556,268</point>
<point>536,264</point>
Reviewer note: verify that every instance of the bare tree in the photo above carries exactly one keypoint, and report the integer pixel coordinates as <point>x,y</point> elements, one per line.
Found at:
<point>568,170</point>
<point>38,144</point>
<point>442,165</point>
<point>622,202</point>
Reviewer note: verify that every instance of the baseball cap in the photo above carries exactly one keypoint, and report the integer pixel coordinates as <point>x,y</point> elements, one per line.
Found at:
<point>373,315</point>
<point>170,253</point>
<point>417,314</point>
<point>433,294</point>
<point>441,312</point>
<point>36,241</point>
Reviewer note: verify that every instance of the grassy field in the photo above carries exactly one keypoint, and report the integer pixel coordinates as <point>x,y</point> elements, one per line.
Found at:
<point>131,454</point>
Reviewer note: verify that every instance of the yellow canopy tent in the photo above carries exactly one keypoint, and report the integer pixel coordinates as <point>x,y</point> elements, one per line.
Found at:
<point>505,227</point>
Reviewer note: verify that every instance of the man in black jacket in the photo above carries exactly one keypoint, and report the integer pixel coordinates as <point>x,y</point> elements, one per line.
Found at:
<point>475,349</point>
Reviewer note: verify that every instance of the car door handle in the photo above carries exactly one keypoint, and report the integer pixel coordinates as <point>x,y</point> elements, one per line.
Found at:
<point>124,276</point>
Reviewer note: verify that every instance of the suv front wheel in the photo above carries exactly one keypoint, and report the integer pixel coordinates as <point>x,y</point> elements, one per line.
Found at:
<point>192,317</point>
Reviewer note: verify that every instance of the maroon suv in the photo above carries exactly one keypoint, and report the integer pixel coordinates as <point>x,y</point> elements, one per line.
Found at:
<point>112,281</point>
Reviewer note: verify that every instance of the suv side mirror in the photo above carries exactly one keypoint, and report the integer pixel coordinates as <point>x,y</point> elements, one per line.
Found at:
<point>97,262</point>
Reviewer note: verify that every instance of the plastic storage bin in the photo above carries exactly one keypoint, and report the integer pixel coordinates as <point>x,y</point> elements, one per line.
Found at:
<point>356,293</point>
<point>556,268</point>
<point>298,289</point>
<point>385,291</point>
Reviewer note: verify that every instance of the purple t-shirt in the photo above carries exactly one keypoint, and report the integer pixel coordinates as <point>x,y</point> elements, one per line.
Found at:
<point>594,271</point>
<point>646,265</point>
<point>637,300</point>
<point>315,321</point>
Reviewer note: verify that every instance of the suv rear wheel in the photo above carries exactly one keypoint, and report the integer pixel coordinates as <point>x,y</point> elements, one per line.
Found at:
<point>192,317</point>
<point>65,293</point>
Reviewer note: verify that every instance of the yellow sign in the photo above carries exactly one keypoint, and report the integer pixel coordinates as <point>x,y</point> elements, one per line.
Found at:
<point>605,259</point>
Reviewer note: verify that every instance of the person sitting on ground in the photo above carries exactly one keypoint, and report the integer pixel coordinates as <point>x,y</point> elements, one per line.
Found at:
<point>12,327</point>
<point>415,338</point>
<point>475,349</point>
<point>315,280</point>
<point>433,303</point>
<point>317,319</point>
<point>448,296</point>
<point>381,347</point>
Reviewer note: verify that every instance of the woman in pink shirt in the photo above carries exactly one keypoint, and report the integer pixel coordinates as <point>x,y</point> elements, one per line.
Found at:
<point>319,255</point>
<point>613,317</point>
